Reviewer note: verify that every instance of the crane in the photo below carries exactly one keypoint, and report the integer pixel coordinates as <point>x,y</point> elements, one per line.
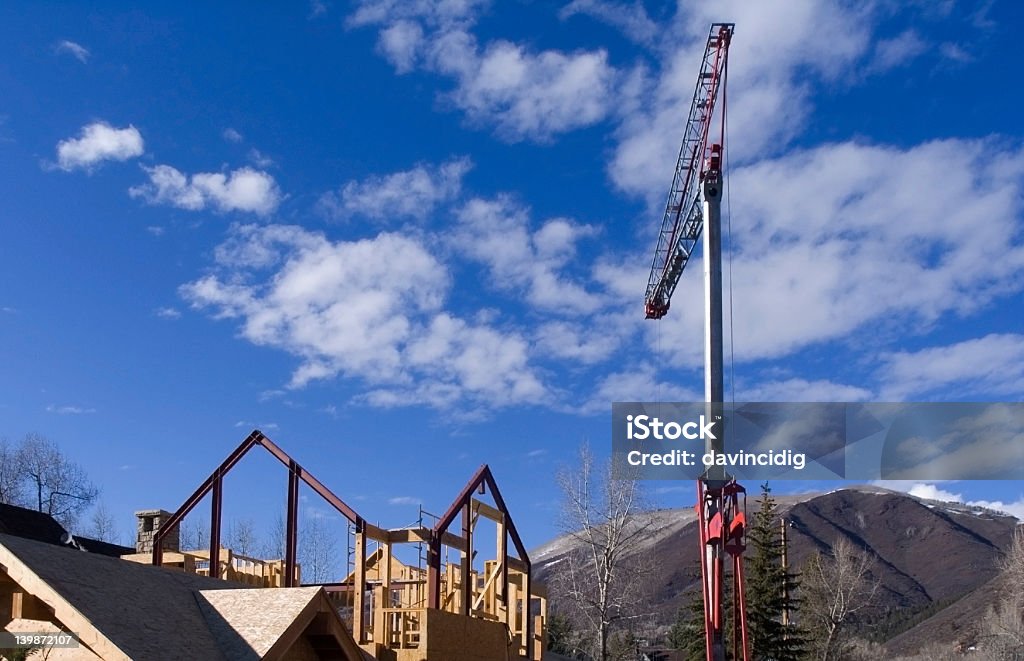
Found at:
<point>693,208</point>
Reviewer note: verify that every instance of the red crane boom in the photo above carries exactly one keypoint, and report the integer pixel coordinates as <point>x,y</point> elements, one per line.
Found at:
<point>684,218</point>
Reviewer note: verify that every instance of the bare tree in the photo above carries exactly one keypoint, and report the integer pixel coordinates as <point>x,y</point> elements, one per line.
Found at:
<point>273,545</point>
<point>194,534</point>
<point>241,538</point>
<point>602,580</point>
<point>1002,629</point>
<point>55,484</point>
<point>318,551</point>
<point>102,525</point>
<point>11,478</point>
<point>835,589</point>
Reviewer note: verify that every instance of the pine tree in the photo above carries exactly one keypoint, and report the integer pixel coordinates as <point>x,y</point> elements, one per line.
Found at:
<point>624,646</point>
<point>560,635</point>
<point>770,588</point>
<point>687,633</point>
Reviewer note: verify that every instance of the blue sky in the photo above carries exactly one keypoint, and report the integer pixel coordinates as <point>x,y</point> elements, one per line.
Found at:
<point>408,238</point>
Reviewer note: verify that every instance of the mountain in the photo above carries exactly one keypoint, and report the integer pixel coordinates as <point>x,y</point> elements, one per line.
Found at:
<point>931,557</point>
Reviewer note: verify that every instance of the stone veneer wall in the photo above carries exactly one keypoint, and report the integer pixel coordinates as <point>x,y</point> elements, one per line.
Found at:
<point>149,522</point>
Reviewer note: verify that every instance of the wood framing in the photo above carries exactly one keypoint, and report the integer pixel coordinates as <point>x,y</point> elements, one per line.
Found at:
<point>397,610</point>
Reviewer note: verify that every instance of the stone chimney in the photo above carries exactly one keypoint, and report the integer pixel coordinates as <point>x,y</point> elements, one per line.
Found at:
<point>149,523</point>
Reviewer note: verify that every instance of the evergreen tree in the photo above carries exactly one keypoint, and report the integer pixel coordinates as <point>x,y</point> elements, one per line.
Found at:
<point>624,646</point>
<point>770,589</point>
<point>560,634</point>
<point>687,632</point>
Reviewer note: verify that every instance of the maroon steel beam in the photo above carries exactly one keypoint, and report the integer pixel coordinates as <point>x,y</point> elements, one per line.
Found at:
<point>204,488</point>
<point>292,527</point>
<point>315,484</point>
<point>467,492</point>
<point>528,614</point>
<point>509,523</point>
<point>434,573</point>
<point>466,568</point>
<point>215,514</point>
<point>255,438</point>
<point>441,527</point>
<point>476,483</point>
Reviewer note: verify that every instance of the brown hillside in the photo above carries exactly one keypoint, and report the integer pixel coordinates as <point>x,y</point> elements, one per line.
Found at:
<point>929,555</point>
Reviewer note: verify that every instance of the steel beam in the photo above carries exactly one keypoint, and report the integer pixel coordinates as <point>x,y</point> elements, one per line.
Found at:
<point>216,510</point>
<point>291,534</point>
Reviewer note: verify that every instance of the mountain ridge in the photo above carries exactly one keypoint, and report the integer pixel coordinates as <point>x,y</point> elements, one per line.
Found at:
<point>933,559</point>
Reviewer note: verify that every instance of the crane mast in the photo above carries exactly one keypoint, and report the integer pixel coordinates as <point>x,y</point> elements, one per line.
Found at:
<point>693,208</point>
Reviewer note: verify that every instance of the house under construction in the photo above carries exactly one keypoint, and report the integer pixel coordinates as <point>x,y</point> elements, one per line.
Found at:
<point>449,605</point>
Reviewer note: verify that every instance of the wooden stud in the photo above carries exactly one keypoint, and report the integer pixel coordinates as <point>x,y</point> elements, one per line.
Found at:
<point>359,587</point>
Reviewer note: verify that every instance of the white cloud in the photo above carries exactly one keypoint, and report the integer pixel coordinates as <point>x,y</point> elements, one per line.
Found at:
<point>244,189</point>
<point>779,53</point>
<point>231,135</point>
<point>268,426</point>
<point>404,500</point>
<point>433,12</point>
<point>836,233</point>
<point>631,19</point>
<point>459,362</point>
<point>578,342</point>
<point>864,219</point>
<point>956,53</point>
<point>930,491</point>
<point>989,365</point>
<point>638,383</point>
<point>978,444</point>
<point>891,53</point>
<point>802,390</point>
<point>317,8</point>
<point>372,310</point>
<point>259,159</point>
<point>75,50</point>
<point>412,193</point>
<point>496,233</point>
<point>167,313</point>
<point>401,44</point>
<point>98,142</point>
<point>69,410</point>
<point>523,94</point>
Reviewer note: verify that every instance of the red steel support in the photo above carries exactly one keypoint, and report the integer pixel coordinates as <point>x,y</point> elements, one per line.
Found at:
<point>705,571</point>
<point>214,483</point>
<point>722,529</point>
<point>466,566</point>
<point>215,514</point>
<point>204,488</point>
<point>434,572</point>
<point>291,527</point>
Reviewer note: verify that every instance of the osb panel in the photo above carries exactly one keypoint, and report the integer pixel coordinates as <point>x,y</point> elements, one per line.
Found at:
<point>450,636</point>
